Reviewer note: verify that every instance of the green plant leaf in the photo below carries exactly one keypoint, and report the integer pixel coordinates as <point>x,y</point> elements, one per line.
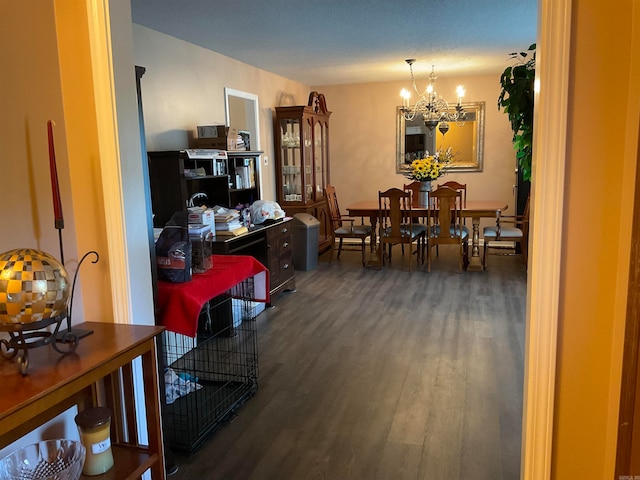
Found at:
<point>516,99</point>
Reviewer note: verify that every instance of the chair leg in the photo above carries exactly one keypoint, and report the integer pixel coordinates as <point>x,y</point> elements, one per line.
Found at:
<point>333,247</point>
<point>411,255</point>
<point>484,254</point>
<point>339,248</point>
<point>364,255</point>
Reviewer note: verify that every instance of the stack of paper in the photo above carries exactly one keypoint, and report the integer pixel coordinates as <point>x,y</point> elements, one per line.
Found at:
<point>227,222</point>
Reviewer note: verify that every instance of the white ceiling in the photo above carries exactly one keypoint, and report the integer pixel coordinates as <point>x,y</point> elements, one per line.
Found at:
<point>331,42</point>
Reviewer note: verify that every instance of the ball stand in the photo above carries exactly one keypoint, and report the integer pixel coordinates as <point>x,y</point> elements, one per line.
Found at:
<point>25,336</point>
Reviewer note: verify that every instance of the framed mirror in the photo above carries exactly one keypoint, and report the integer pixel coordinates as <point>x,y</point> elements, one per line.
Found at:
<point>466,140</point>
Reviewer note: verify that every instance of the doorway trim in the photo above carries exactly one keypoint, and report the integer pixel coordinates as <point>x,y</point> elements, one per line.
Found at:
<point>547,200</point>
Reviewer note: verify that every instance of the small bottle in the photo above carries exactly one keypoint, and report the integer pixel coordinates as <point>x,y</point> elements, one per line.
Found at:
<point>94,425</point>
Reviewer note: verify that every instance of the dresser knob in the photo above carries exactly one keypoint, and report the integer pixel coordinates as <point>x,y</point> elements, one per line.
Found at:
<point>285,230</point>
<point>285,244</point>
<point>286,266</point>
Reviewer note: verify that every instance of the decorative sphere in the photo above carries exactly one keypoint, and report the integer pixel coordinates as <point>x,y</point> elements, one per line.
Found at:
<point>33,286</point>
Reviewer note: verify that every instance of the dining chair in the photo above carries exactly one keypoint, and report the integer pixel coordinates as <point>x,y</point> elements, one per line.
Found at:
<point>461,187</point>
<point>510,230</point>
<point>445,226</point>
<point>414,188</point>
<point>344,226</point>
<point>396,225</point>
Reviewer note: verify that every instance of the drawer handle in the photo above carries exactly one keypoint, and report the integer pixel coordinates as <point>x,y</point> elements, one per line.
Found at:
<point>285,230</point>
<point>285,244</point>
<point>286,266</point>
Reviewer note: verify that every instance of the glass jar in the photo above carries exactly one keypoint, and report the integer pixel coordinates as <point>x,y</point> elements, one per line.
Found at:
<point>94,425</point>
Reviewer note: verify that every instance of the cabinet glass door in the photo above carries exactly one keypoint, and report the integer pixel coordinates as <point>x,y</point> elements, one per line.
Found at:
<point>319,155</point>
<point>291,160</point>
<point>308,161</point>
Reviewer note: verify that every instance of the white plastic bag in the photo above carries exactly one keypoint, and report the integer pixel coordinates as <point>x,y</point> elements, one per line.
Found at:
<point>262,210</point>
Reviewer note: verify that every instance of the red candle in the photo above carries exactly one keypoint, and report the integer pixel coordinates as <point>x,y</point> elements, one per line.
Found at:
<point>55,189</point>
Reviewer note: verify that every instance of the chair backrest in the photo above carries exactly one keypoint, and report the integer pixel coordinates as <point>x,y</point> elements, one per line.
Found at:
<point>332,206</point>
<point>394,212</point>
<point>461,187</point>
<point>414,188</point>
<point>445,215</point>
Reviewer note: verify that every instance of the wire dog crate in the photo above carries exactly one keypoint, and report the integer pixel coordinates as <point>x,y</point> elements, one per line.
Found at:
<point>209,377</point>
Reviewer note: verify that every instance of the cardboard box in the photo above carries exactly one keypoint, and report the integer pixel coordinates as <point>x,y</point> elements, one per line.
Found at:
<point>201,216</point>
<point>212,131</point>
<point>217,136</point>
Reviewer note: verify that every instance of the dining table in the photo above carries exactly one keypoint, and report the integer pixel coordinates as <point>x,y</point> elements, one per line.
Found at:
<point>474,209</point>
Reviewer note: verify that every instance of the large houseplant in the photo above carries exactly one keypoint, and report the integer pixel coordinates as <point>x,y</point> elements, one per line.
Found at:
<point>516,99</point>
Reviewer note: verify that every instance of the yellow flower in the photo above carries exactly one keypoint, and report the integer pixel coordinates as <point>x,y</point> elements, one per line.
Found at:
<point>431,167</point>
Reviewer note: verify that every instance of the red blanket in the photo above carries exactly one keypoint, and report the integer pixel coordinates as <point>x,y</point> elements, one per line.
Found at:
<point>180,303</point>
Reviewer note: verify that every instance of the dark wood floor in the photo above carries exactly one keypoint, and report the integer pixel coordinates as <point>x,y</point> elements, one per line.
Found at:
<point>390,374</point>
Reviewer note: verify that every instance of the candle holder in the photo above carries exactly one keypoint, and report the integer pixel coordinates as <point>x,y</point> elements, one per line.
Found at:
<point>34,293</point>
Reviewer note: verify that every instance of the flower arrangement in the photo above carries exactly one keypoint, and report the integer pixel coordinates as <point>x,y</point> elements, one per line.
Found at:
<point>430,167</point>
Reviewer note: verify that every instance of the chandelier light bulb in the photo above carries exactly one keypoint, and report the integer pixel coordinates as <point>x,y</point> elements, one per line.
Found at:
<point>432,107</point>
<point>406,95</point>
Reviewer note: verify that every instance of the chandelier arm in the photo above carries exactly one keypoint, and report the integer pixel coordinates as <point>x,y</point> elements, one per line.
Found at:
<point>433,107</point>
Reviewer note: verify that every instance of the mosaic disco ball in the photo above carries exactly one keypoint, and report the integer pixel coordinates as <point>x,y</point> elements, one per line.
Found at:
<point>33,286</point>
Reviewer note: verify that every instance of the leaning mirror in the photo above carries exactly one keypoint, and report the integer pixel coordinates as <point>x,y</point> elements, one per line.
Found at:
<point>466,140</point>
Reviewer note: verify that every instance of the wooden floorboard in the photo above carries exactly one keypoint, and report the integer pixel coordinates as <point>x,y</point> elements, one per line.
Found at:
<point>390,374</point>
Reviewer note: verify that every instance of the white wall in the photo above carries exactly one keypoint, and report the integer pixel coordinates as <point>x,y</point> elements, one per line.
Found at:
<point>183,87</point>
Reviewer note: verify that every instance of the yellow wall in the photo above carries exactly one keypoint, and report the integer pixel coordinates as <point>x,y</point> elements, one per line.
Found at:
<point>31,94</point>
<point>363,139</point>
<point>84,155</point>
<point>601,162</point>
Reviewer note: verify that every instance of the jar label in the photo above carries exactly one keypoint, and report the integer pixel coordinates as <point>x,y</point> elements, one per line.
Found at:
<point>100,447</point>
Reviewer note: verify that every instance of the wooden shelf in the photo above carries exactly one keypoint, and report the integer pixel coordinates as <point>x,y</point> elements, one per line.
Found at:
<point>56,382</point>
<point>129,463</point>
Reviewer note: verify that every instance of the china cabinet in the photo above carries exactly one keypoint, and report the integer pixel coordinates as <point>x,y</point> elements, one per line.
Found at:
<point>302,161</point>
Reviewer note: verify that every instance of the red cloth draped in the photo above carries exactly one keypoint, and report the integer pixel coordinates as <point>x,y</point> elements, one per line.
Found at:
<point>180,303</point>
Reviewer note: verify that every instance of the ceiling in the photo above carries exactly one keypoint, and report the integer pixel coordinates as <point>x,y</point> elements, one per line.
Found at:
<point>351,41</point>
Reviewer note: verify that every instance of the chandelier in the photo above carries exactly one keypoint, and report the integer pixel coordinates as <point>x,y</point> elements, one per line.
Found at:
<point>434,109</point>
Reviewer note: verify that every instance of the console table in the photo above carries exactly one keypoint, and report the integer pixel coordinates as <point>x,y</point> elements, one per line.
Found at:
<point>56,382</point>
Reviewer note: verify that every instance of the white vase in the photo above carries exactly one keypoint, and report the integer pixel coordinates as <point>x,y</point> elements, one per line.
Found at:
<point>423,195</point>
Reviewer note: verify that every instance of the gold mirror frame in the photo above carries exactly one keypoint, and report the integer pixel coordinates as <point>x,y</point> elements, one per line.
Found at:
<point>466,140</point>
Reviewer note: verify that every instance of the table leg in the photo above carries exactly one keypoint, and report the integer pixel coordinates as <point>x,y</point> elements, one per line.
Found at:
<point>375,257</point>
<point>475,262</point>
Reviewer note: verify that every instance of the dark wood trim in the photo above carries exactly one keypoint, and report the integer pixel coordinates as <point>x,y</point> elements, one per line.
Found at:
<point>629,384</point>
